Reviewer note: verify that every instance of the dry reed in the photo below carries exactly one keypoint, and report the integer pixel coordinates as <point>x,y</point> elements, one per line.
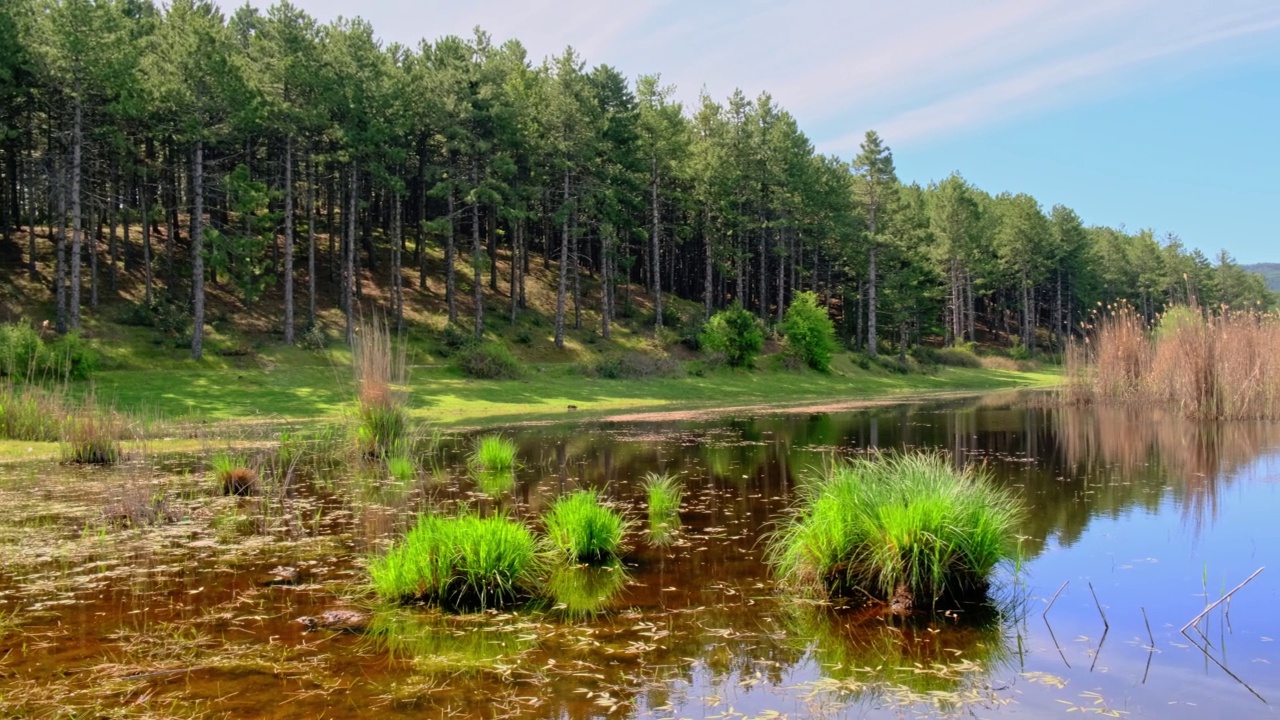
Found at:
<point>1210,366</point>
<point>380,371</point>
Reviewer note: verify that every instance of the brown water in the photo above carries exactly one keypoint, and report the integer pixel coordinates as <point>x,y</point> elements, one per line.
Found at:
<point>193,613</point>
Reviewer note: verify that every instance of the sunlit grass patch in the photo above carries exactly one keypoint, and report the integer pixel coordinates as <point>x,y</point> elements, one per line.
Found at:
<point>584,530</point>
<point>907,529</point>
<point>493,453</point>
<point>458,562</point>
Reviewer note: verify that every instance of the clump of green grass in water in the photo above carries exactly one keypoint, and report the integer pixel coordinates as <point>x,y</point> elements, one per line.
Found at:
<point>583,530</point>
<point>908,530</point>
<point>493,453</point>
<point>458,563</point>
<point>233,474</point>
<point>379,366</point>
<point>401,469</point>
<point>664,493</point>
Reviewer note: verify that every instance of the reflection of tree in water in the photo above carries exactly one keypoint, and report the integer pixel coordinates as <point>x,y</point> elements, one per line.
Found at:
<point>1148,446</point>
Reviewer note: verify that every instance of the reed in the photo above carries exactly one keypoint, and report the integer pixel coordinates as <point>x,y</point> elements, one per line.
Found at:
<point>91,434</point>
<point>401,469</point>
<point>380,373</point>
<point>33,413</point>
<point>583,530</point>
<point>908,530</point>
<point>1210,366</point>
<point>460,562</point>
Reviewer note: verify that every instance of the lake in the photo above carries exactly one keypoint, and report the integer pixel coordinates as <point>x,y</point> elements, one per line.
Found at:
<point>141,590</point>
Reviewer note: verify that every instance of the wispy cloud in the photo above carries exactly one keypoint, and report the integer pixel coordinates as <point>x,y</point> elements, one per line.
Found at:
<point>917,69</point>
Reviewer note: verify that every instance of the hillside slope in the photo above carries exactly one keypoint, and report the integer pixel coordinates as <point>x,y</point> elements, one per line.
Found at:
<point>1270,271</point>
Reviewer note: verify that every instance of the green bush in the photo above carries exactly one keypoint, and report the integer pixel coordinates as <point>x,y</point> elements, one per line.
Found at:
<point>25,355</point>
<point>584,530</point>
<point>735,333</point>
<point>908,529</point>
<point>811,336</point>
<point>489,361</point>
<point>456,340</point>
<point>461,562</point>
<point>960,356</point>
<point>635,366</point>
<point>313,338</point>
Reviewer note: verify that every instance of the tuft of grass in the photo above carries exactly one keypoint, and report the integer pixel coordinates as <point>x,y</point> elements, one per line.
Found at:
<point>664,494</point>
<point>401,468</point>
<point>907,529</point>
<point>492,453</point>
<point>233,474</point>
<point>33,413</point>
<point>583,529</point>
<point>92,435</point>
<point>459,562</point>
<point>380,370</point>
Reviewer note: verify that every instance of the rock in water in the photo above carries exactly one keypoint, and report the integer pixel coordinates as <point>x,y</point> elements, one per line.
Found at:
<point>337,620</point>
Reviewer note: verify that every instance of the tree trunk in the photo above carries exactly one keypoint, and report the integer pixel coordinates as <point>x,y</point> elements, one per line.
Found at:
<point>397,277</point>
<point>708,280</point>
<point>197,252</point>
<point>871,301</point>
<point>654,244</point>
<point>77,210</point>
<point>113,215</point>
<point>575,262</point>
<point>477,256</point>
<point>450,287</point>
<point>288,240</point>
<point>349,256</point>
<point>782,277</point>
<point>60,249</point>
<point>146,240</point>
<point>491,225</point>
<point>516,240</point>
<point>31,220</point>
<point>606,279</point>
<point>564,265</point>
<point>311,241</point>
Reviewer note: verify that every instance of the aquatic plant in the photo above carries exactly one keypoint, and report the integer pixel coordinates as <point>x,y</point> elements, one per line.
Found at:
<point>458,562</point>
<point>92,435</point>
<point>379,366</point>
<point>906,529</point>
<point>33,413</point>
<point>233,474</point>
<point>494,482</point>
<point>401,468</point>
<point>664,494</point>
<point>583,529</point>
<point>493,452</point>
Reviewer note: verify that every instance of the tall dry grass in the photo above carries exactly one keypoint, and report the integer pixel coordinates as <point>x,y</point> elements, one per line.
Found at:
<point>380,368</point>
<point>1210,366</point>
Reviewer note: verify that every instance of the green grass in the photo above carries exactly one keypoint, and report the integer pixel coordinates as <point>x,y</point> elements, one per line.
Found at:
<point>381,428</point>
<point>664,493</point>
<point>232,473</point>
<point>302,385</point>
<point>902,527</point>
<point>401,468</point>
<point>494,482</point>
<point>583,530</point>
<point>493,453</point>
<point>459,562</point>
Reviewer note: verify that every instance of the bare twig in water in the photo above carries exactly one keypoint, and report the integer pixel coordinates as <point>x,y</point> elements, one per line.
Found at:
<point>1054,599</point>
<point>1219,601</point>
<point>1106,625</point>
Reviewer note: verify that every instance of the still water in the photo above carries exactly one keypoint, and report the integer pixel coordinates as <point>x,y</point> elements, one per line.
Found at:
<point>1137,521</point>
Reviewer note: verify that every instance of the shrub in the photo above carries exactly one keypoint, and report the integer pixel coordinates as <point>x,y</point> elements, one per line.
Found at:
<point>960,356</point>
<point>26,355</point>
<point>736,333</point>
<point>456,340</point>
<point>460,562</point>
<point>313,338</point>
<point>908,529</point>
<point>584,530</point>
<point>635,366</point>
<point>810,334</point>
<point>489,361</point>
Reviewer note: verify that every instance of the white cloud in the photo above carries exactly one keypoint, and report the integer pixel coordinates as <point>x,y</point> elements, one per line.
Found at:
<point>916,69</point>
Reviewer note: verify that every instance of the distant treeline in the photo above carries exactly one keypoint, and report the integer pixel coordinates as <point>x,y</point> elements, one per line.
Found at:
<point>267,151</point>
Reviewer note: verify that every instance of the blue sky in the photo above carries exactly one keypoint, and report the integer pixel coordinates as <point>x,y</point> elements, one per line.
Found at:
<point>1147,113</point>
